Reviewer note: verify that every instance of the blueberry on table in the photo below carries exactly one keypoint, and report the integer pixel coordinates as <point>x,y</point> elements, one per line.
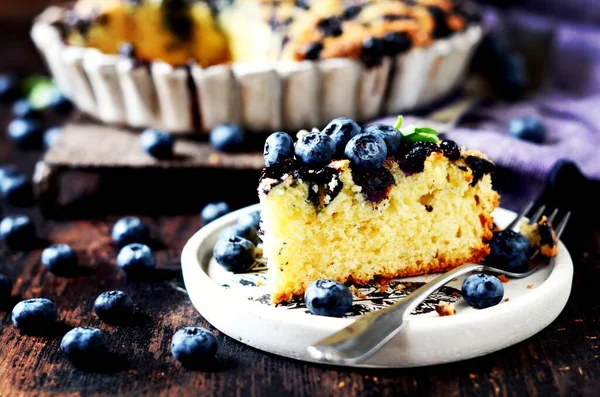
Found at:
<point>84,345</point>
<point>18,232</point>
<point>450,149</point>
<point>482,290</point>
<point>25,133</point>
<point>315,148</point>
<point>251,219</point>
<point>114,307</point>
<point>130,230</point>
<point>158,144</point>
<point>235,254</point>
<point>528,129</point>
<point>509,250</point>
<point>213,211</point>
<point>10,88</point>
<point>341,130</point>
<point>245,231</point>
<point>193,346</point>
<point>279,147</point>
<point>51,136</point>
<point>17,190</point>
<point>390,135</point>
<point>34,316</point>
<point>22,109</point>
<point>60,104</point>
<point>367,151</point>
<point>60,259</point>
<point>328,298</point>
<point>227,138</point>
<point>6,286</point>
<point>136,258</point>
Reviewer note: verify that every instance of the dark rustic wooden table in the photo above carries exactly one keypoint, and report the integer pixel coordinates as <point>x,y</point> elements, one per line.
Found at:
<point>561,360</point>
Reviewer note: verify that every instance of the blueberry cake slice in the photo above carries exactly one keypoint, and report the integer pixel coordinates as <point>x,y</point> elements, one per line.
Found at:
<point>354,205</point>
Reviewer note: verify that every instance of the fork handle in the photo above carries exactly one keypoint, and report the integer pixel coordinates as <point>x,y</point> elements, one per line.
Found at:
<point>369,333</point>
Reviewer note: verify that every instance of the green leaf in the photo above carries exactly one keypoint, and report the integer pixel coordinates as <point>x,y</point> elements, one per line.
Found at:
<point>399,122</point>
<point>408,130</point>
<point>425,130</point>
<point>422,137</point>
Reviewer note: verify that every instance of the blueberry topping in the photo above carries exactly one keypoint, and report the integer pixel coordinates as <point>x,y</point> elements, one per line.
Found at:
<point>245,231</point>
<point>352,11</point>
<point>528,129</point>
<point>51,137</point>
<point>341,130</point>
<point>395,43</point>
<point>482,290</point>
<point>17,190</point>
<point>158,144</point>
<point>22,109</point>
<point>114,307</point>
<point>227,138</point>
<point>375,184</point>
<point>251,219</point>
<point>391,136</point>
<point>313,51</point>
<point>235,254</point>
<point>414,159</point>
<point>83,345</point>
<point>367,151</point>
<point>34,316</point>
<point>315,148</point>
<point>279,147</point>
<point>371,52</point>
<point>440,21</point>
<point>6,287</point>
<point>18,232</point>
<point>480,167</point>
<point>60,104</point>
<point>193,346</point>
<point>10,88</point>
<point>331,26</point>
<point>135,258</point>
<point>130,230</point>
<point>25,133</point>
<point>509,250</point>
<point>450,149</point>
<point>328,298</point>
<point>60,259</point>
<point>214,211</point>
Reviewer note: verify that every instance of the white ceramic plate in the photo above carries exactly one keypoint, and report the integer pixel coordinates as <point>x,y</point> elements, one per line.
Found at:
<point>238,305</point>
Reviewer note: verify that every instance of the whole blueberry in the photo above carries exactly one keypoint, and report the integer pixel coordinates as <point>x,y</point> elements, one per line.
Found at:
<point>84,345</point>
<point>17,190</point>
<point>341,130</point>
<point>60,104</point>
<point>414,159</point>
<point>136,258</point>
<point>227,138</point>
<point>372,51</point>
<point>315,148</point>
<point>482,290</point>
<point>6,287</point>
<point>450,149</point>
<point>251,219</point>
<point>328,298</point>
<point>391,136</point>
<point>279,147</point>
<point>34,316</point>
<point>25,133</point>
<point>114,307</point>
<point>395,43</point>
<point>192,346</point>
<point>60,259</point>
<point>10,88</point>
<point>130,230</point>
<point>509,250</point>
<point>158,144</point>
<point>245,231</point>
<point>528,129</point>
<point>367,151</point>
<point>51,136</point>
<point>18,232</point>
<point>235,254</point>
<point>22,109</point>
<point>213,211</point>
<point>313,51</point>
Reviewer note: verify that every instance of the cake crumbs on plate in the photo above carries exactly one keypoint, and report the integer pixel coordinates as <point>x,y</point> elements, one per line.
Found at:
<point>356,292</point>
<point>506,299</point>
<point>529,286</point>
<point>444,308</point>
<point>503,278</point>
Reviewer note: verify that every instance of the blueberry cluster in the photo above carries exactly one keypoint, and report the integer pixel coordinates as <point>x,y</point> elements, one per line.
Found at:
<point>236,248</point>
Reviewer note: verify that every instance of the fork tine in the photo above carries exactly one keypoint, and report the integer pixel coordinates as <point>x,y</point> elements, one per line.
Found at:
<point>552,216</point>
<point>563,224</point>
<point>520,215</point>
<point>538,214</point>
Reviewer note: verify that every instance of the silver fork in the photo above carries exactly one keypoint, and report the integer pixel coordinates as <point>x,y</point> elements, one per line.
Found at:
<point>369,333</point>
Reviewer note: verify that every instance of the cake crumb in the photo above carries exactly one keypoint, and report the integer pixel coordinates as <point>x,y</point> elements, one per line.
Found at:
<point>400,287</point>
<point>444,308</point>
<point>503,278</point>
<point>529,286</point>
<point>341,385</point>
<point>472,376</point>
<point>356,292</point>
<point>506,299</point>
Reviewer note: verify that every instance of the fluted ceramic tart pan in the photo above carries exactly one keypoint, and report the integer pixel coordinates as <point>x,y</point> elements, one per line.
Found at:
<point>261,97</point>
<point>238,305</point>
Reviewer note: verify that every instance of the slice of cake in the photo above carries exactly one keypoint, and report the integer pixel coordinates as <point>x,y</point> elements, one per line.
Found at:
<point>354,205</point>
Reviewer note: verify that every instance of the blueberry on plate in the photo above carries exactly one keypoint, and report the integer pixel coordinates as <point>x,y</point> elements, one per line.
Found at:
<point>367,151</point>
<point>251,219</point>
<point>114,307</point>
<point>25,133</point>
<point>482,290</point>
<point>34,316</point>
<point>10,88</point>
<point>245,231</point>
<point>51,136</point>
<point>341,130</point>
<point>279,147</point>
<point>17,190</point>
<point>18,232</point>
<point>227,138</point>
<point>130,230</point>
<point>235,254</point>
<point>450,149</point>
<point>193,346</point>
<point>158,144</point>
<point>390,135</point>
<point>22,109</point>
<point>213,211</point>
<point>84,345</point>
<point>509,250</point>
<point>315,148</point>
<point>136,258</point>
<point>6,287</point>
<point>328,298</point>
<point>528,129</point>
<point>60,104</point>
<point>60,259</point>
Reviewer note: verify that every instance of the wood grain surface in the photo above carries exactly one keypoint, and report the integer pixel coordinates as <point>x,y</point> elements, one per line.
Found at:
<point>561,360</point>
